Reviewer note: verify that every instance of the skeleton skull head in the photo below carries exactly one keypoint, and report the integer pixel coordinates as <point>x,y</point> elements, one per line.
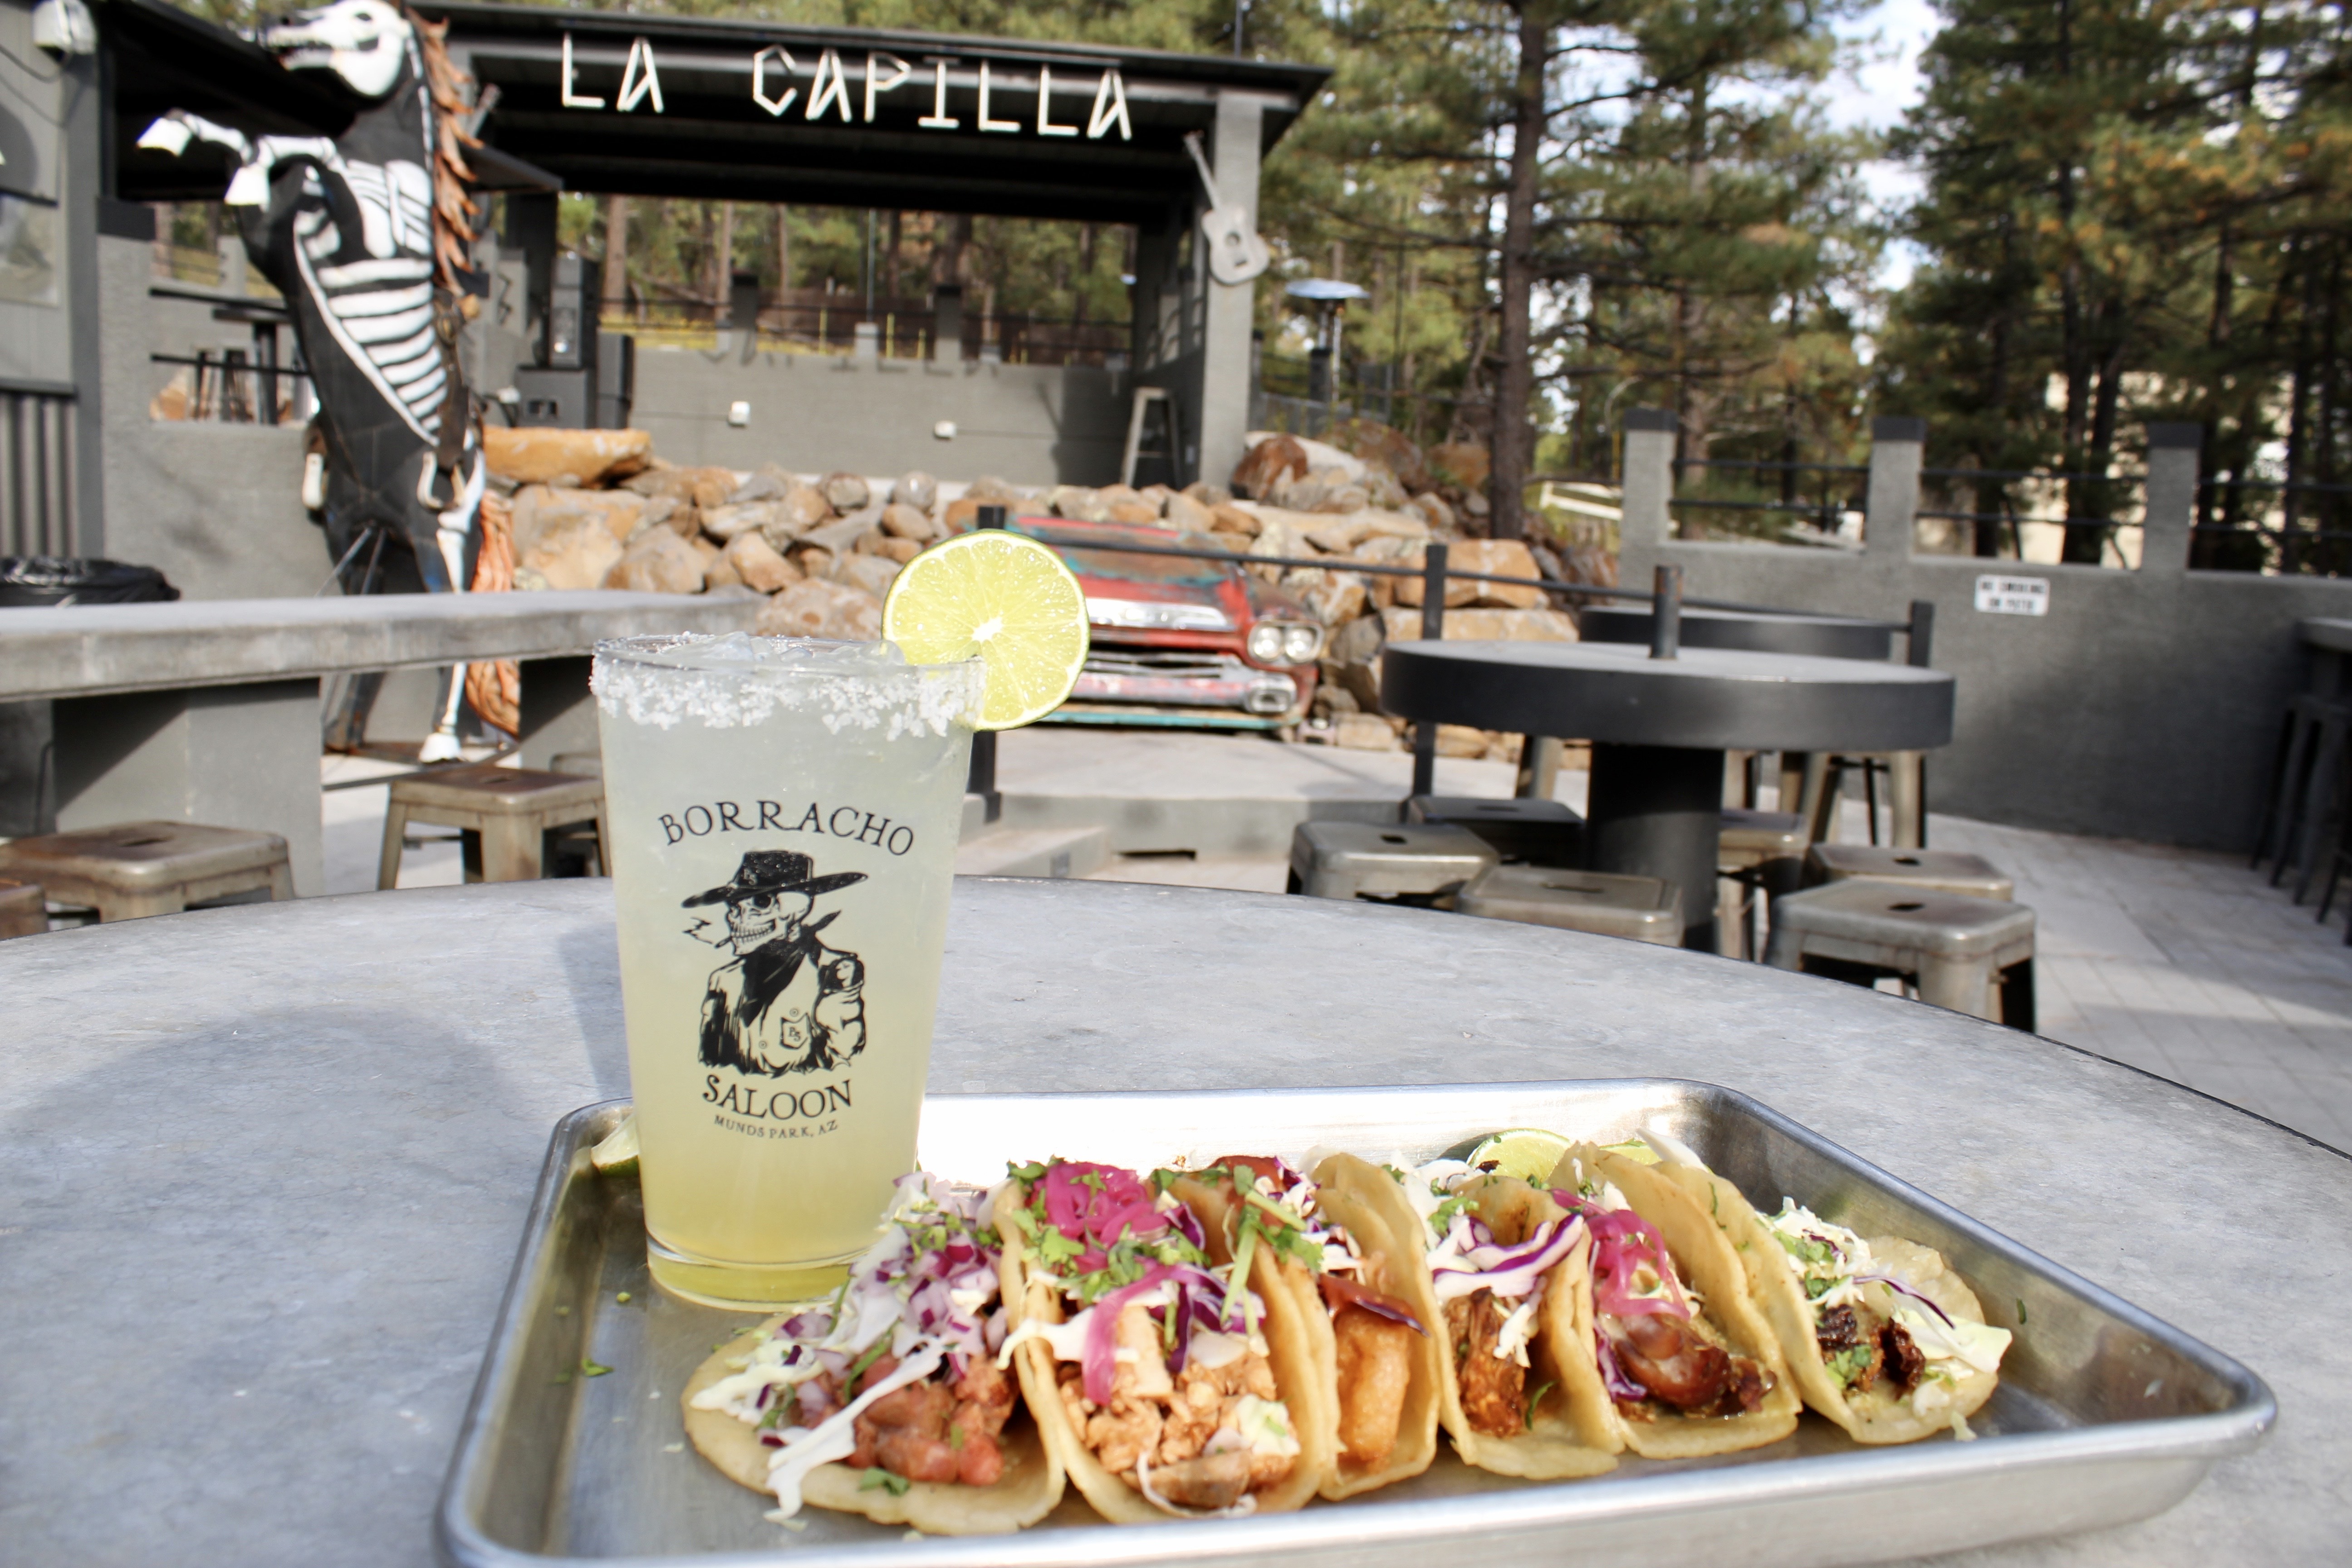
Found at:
<point>365,42</point>
<point>755,919</point>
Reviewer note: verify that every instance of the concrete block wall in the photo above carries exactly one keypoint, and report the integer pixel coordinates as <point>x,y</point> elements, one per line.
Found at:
<point>1028,423</point>
<point>2144,705</point>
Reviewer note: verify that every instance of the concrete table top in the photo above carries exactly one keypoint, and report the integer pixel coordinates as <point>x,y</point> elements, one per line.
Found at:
<point>87,650</point>
<point>2321,632</point>
<point>263,1170</point>
<point>1710,699</point>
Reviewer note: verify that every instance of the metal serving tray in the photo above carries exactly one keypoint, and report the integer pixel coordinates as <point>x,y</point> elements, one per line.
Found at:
<point>2104,1413</point>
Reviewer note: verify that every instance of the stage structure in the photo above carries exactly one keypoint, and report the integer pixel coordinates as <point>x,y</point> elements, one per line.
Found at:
<point>666,106</point>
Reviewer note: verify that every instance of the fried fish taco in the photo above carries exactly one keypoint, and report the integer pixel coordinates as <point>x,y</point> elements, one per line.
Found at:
<point>1880,1335</point>
<point>1676,1357</point>
<point>1341,1262</point>
<point>890,1401</point>
<point>1166,1385</point>
<point>1493,1252</point>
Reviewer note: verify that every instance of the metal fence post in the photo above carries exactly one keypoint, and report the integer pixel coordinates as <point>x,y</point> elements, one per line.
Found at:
<point>1666,614</point>
<point>1647,473</point>
<point>1891,512</point>
<point>1433,629</point>
<point>2170,509</point>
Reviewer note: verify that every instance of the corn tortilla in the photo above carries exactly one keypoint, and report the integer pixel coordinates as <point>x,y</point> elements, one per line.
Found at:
<point>1025,1493</point>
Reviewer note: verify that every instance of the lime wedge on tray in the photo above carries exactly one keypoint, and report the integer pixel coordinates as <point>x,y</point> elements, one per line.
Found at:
<point>1003,599</point>
<point>1527,1153</point>
<point>616,1153</point>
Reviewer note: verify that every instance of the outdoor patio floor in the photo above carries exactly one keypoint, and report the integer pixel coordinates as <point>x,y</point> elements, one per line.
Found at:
<point>2180,962</point>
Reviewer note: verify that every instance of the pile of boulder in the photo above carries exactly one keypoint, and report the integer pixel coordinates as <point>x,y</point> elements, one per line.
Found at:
<point>596,509</point>
<point>593,509</point>
<point>1377,499</point>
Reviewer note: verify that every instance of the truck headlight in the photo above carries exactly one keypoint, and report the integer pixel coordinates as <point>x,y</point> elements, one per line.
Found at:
<point>1301,641</point>
<point>1265,642</point>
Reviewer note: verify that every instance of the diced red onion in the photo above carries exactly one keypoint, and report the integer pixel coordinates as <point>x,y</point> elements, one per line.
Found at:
<point>1102,1328</point>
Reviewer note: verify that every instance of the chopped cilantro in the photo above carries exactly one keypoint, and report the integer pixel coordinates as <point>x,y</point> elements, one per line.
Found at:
<point>1028,1173</point>
<point>780,1414</point>
<point>1817,1288</point>
<point>877,1477</point>
<point>589,1369</point>
<point>1849,1364</point>
<point>1535,1399</point>
<point>1804,1248</point>
<point>1715,1200</point>
<point>2021,1312</point>
<point>872,1355</point>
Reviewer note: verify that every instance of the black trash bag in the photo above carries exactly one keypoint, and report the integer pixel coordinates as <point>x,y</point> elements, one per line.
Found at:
<point>26,580</point>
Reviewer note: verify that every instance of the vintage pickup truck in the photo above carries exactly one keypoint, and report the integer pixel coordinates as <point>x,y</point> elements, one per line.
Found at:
<point>1180,641</point>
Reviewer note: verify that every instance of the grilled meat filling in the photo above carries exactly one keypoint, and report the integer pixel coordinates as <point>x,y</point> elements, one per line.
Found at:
<point>1853,1354</point>
<point>943,1428</point>
<point>1678,1363</point>
<point>1899,1358</point>
<point>1494,1387</point>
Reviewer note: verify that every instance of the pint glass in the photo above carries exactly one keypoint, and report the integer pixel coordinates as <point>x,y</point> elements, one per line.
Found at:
<point>782,818</point>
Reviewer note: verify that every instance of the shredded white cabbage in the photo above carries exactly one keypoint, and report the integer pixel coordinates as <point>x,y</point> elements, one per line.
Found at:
<point>1511,1339</point>
<point>836,1436</point>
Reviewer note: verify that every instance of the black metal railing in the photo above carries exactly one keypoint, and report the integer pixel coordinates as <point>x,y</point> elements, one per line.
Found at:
<point>1999,535</point>
<point>1746,512</point>
<point>2277,545</point>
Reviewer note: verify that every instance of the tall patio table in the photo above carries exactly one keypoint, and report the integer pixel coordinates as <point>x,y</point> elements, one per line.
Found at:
<point>1660,727</point>
<point>263,1170</point>
<point>1764,631</point>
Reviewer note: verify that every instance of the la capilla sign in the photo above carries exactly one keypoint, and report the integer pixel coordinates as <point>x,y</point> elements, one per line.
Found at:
<point>820,91</point>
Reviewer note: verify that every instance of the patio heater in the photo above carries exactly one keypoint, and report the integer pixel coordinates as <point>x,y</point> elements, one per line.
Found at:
<point>1328,297</point>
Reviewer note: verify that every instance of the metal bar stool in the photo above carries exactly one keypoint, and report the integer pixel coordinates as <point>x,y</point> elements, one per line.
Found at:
<point>1536,832</point>
<point>2308,791</point>
<point>140,869</point>
<point>24,909</point>
<point>1756,852</point>
<point>1972,955</point>
<point>1940,870</point>
<point>1640,909</point>
<point>1403,862</point>
<point>1819,779</point>
<point>511,818</point>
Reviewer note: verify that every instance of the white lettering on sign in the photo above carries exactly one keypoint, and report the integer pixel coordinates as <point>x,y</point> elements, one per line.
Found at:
<point>574,99</point>
<point>2013,596</point>
<point>759,79</point>
<point>640,79</point>
<point>829,91</point>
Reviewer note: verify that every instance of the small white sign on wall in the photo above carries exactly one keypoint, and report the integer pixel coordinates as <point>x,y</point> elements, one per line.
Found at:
<point>2013,596</point>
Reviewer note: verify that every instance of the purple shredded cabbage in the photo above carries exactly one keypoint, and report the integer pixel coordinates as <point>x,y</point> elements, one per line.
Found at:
<point>1892,1283</point>
<point>1612,1373</point>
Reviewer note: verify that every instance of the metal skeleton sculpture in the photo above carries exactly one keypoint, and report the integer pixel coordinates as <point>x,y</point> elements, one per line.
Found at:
<point>366,236</point>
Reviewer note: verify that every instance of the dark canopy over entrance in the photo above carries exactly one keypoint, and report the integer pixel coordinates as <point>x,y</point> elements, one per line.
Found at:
<point>865,116</point>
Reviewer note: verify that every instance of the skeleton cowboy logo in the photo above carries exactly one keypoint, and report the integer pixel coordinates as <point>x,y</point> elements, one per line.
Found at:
<point>786,1002</point>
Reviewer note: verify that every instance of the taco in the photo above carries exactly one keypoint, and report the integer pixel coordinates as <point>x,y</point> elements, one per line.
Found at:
<point>1880,1335</point>
<point>1493,1252</point>
<point>1165,1385</point>
<point>1674,1357</point>
<point>890,1401</point>
<point>1340,1263</point>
